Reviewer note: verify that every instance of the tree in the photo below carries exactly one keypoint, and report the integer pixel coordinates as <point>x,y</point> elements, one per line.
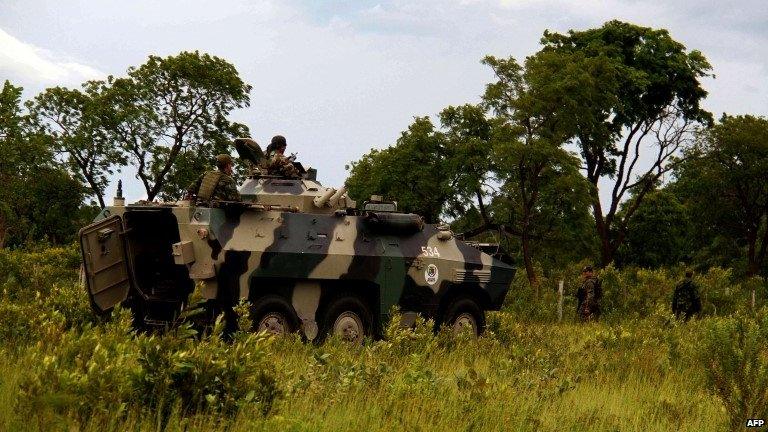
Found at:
<point>725,182</point>
<point>629,93</point>
<point>11,153</point>
<point>498,166</point>
<point>468,158</point>
<point>74,120</point>
<point>170,116</point>
<point>48,208</point>
<point>38,199</point>
<point>540,185</point>
<point>412,172</point>
<point>657,235</point>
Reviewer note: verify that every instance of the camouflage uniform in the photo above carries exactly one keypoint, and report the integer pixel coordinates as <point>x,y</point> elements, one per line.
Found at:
<point>588,296</point>
<point>280,165</point>
<point>686,301</point>
<point>214,186</point>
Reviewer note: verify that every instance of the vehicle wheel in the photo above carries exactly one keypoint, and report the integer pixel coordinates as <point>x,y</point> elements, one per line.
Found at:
<point>348,318</point>
<point>273,314</point>
<point>464,314</point>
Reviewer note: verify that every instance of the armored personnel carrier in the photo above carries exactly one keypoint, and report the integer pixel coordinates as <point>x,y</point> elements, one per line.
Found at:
<point>305,256</point>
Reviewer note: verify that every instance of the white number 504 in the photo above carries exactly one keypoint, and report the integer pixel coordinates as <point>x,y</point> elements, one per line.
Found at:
<point>430,251</point>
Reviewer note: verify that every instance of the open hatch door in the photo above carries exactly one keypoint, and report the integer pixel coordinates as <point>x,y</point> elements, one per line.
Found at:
<point>105,263</point>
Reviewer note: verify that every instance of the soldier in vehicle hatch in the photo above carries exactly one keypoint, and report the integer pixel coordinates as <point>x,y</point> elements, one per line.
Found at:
<point>216,185</point>
<point>589,295</point>
<point>686,301</point>
<point>277,163</point>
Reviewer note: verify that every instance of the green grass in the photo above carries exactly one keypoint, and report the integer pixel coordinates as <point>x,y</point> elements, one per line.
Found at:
<point>61,369</point>
<point>536,377</point>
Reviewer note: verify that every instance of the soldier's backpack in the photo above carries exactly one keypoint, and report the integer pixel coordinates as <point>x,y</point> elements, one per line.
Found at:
<point>208,185</point>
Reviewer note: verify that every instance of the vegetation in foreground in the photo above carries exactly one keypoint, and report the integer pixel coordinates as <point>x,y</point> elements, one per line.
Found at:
<point>639,369</point>
<point>604,91</point>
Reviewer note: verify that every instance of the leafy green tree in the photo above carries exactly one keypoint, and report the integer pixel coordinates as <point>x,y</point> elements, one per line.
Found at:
<point>498,166</point>
<point>170,116</point>
<point>541,187</point>
<point>412,172</point>
<point>658,234</point>
<point>38,199</point>
<point>724,182</point>
<point>50,209</point>
<point>11,154</point>
<point>74,120</point>
<point>468,159</point>
<point>628,93</point>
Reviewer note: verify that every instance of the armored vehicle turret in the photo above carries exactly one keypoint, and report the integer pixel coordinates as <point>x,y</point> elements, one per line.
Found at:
<point>306,257</point>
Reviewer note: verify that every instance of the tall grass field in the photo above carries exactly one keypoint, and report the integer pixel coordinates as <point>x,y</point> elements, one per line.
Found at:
<point>638,369</point>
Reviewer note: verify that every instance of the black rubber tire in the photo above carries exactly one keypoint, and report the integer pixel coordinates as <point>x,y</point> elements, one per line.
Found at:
<point>274,304</point>
<point>464,305</point>
<point>340,305</point>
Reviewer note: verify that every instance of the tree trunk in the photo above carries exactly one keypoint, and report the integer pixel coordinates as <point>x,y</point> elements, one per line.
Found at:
<point>172,155</point>
<point>481,206</point>
<point>763,248</point>
<point>92,183</point>
<point>528,261</point>
<point>753,266</point>
<point>603,230</point>
<point>102,204</point>
<point>3,232</point>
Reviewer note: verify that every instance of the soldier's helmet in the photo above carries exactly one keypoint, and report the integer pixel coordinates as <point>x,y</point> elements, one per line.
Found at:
<point>223,160</point>
<point>278,142</point>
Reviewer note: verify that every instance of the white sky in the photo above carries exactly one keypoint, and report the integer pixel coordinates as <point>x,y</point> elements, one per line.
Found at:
<point>338,78</point>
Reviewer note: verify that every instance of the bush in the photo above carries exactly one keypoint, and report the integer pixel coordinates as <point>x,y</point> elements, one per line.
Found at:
<point>110,369</point>
<point>25,274</point>
<point>83,373</point>
<point>735,355</point>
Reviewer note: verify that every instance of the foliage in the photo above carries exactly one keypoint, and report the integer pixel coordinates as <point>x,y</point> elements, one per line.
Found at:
<point>496,166</point>
<point>38,199</point>
<point>627,92</point>
<point>735,353</point>
<point>658,233</point>
<point>103,369</point>
<point>170,116</point>
<point>724,184</point>
<point>637,369</point>
<point>85,367</point>
<point>74,121</point>
<point>633,292</point>
<point>412,172</point>
<point>542,192</point>
<point>34,285</point>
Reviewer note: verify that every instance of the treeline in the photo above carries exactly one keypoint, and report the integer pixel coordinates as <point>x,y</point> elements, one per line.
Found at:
<point>58,151</point>
<point>595,147</point>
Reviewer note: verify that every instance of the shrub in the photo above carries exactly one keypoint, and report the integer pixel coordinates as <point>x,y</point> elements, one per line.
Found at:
<point>205,375</point>
<point>109,369</point>
<point>81,372</point>
<point>735,355</point>
<point>25,274</point>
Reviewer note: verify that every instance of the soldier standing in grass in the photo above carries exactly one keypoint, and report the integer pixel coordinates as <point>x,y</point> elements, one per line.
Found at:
<point>216,185</point>
<point>686,301</point>
<point>589,295</point>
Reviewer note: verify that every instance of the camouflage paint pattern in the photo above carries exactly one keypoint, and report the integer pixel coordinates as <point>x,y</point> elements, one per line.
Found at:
<point>300,240</point>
